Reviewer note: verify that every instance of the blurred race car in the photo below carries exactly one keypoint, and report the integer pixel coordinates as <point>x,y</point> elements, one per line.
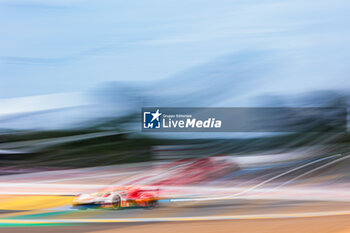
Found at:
<point>119,197</point>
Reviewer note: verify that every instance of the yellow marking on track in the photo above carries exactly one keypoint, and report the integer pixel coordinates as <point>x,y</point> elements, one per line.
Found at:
<point>22,213</point>
<point>34,202</point>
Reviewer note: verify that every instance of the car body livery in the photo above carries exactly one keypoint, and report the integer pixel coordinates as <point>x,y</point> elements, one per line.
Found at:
<point>119,197</point>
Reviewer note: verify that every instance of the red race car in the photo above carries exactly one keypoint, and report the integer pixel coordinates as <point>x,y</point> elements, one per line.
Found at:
<point>119,197</point>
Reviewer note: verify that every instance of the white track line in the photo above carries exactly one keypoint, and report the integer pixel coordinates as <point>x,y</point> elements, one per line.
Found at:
<point>311,171</point>
<point>177,219</point>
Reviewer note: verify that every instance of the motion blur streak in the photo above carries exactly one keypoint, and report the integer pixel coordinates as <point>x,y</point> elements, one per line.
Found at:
<point>75,76</point>
<point>179,219</point>
<point>275,177</point>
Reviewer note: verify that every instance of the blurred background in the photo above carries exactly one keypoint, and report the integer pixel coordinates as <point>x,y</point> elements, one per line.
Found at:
<point>74,75</point>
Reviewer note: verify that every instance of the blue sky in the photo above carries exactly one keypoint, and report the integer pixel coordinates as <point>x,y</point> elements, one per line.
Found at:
<point>63,46</point>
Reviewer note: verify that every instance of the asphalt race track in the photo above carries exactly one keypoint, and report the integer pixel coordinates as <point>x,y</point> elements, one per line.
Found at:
<point>262,203</point>
<point>62,216</point>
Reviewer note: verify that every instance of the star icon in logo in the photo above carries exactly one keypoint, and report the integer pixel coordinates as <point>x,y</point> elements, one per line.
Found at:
<point>156,115</point>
